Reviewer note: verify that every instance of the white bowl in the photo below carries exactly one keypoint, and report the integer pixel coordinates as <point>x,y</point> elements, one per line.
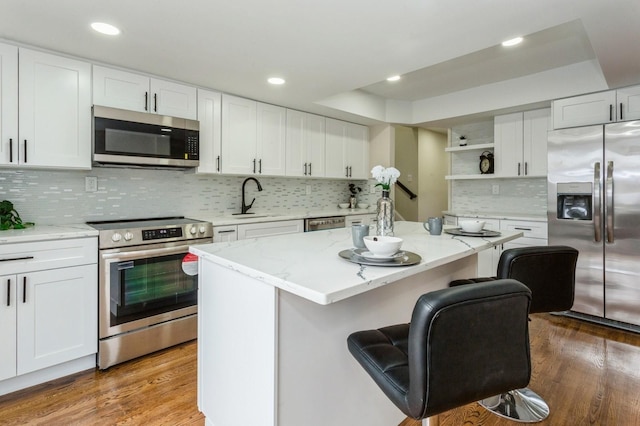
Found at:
<point>344,205</point>
<point>383,246</point>
<point>363,205</point>
<point>471,225</point>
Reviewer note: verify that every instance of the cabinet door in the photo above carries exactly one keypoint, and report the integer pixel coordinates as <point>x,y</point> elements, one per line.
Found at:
<point>120,89</point>
<point>173,99</point>
<point>595,108</point>
<point>55,111</point>
<point>357,151</point>
<point>227,233</point>
<point>536,124</point>
<point>296,163</point>
<point>8,326</point>
<point>335,146</point>
<point>238,135</point>
<point>314,137</point>
<point>507,133</point>
<point>8,105</point>
<point>57,316</point>
<point>305,146</point>
<point>209,115</point>
<point>271,139</point>
<point>628,100</point>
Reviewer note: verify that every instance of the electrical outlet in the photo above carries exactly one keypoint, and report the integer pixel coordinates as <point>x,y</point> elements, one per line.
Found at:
<point>91,184</point>
<point>308,189</point>
<point>495,189</point>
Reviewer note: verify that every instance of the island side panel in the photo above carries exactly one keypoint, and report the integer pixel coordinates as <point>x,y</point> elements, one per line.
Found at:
<point>319,382</point>
<point>236,347</point>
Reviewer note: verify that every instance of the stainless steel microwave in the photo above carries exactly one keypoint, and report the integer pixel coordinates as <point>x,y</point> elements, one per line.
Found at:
<point>122,137</point>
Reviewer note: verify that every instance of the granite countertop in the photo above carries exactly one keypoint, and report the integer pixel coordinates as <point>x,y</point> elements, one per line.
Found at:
<point>308,265</point>
<point>497,215</point>
<point>260,217</point>
<point>47,232</point>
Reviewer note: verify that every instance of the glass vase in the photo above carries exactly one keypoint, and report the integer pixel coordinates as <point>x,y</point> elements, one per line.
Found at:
<point>384,215</point>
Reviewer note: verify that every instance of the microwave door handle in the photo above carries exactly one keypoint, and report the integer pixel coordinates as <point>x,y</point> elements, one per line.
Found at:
<point>597,203</point>
<point>609,206</point>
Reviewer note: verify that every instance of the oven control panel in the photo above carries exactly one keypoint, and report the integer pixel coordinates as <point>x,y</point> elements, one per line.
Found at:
<point>158,234</point>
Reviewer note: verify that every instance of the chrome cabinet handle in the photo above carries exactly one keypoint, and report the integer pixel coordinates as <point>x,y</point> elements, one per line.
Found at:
<point>609,206</point>
<point>597,194</point>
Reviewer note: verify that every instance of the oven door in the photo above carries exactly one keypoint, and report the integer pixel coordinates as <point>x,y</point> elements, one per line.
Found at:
<point>141,286</point>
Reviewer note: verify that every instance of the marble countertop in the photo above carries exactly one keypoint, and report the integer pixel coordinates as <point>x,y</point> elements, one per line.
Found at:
<point>259,217</point>
<point>46,232</point>
<point>308,265</point>
<point>497,215</point>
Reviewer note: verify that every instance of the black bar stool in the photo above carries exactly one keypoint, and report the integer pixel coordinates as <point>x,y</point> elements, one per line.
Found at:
<point>549,271</point>
<point>435,364</point>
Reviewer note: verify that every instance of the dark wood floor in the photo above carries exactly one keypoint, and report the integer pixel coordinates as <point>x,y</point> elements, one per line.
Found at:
<point>588,374</point>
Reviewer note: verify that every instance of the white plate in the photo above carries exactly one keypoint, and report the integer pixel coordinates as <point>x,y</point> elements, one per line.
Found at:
<point>368,255</point>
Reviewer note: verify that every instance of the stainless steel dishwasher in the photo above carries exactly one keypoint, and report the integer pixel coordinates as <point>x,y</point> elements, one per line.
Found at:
<point>321,223</point>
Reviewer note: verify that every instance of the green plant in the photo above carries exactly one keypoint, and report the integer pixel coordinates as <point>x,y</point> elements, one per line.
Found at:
<point>9,217</point>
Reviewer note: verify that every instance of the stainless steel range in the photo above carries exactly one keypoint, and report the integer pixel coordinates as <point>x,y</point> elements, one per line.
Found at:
<point>148,285</point>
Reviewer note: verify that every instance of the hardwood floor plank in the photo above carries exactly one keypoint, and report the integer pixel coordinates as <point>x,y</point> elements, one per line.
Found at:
<point>588,374</point>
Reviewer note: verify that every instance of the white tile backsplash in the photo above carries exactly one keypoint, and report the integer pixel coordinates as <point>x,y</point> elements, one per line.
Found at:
<point>58,197</point>
<point>517,196</point>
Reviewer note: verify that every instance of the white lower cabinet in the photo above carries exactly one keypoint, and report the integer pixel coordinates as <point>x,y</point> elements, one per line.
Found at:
<point>244,231</point>
<point>534,234</point>
<point>48,308</point>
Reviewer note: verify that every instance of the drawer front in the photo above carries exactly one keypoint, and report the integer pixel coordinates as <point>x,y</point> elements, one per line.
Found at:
<point>360,219</point>
<point>266,229</point>
<point>36,256</point>
<point>529,229</point>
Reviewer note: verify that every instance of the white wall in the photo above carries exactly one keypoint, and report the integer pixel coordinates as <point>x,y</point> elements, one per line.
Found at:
<point>433,192</point>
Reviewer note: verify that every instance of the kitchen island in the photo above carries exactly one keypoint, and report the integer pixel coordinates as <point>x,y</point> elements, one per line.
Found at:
<point>274,315</point>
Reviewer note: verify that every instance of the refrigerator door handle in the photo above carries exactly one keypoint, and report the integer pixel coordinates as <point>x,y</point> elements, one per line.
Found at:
<point>597,200</point>
<point>609,206</point>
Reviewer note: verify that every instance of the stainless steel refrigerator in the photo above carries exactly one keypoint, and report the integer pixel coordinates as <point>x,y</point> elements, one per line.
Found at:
<point>594,206</point>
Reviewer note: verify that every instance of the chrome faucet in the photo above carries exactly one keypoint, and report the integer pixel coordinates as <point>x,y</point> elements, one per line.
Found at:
<point>245,208</point>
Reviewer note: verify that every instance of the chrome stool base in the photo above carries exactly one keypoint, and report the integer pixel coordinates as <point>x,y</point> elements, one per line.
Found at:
<point>521,405</point>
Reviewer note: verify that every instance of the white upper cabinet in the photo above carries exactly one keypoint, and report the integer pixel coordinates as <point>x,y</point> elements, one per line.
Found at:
<point>347,149</point>
<point>8,104</point>
<point>305,146</point>
<point>253,137</point>
<point>54,97</point>
<point>521,143</point>
<point>597,108</point>
<point>209,115</point>
<point>271,139</point>
<point>137,92</point>
<point>628,103</point>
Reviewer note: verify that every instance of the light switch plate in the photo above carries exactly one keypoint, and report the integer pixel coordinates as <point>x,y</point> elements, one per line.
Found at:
<point>91,184</point>
<point>495,189</point>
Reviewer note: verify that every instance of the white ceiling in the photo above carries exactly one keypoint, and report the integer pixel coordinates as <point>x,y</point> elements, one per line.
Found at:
<point>336,54</point>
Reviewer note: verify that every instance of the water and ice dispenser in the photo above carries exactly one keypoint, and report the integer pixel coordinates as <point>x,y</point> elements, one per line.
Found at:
<point>575,200</point>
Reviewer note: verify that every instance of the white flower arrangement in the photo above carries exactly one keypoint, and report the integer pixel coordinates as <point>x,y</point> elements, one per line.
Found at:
<point>385,177</point>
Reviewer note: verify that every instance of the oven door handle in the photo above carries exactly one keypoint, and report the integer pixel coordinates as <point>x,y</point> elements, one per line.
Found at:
<point>144,253</point>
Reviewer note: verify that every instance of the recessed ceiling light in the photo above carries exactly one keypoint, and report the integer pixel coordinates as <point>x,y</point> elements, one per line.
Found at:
<point>394,78</point>
<point>276,80</point>
<point>512,42</point>
<point>103,28</point>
